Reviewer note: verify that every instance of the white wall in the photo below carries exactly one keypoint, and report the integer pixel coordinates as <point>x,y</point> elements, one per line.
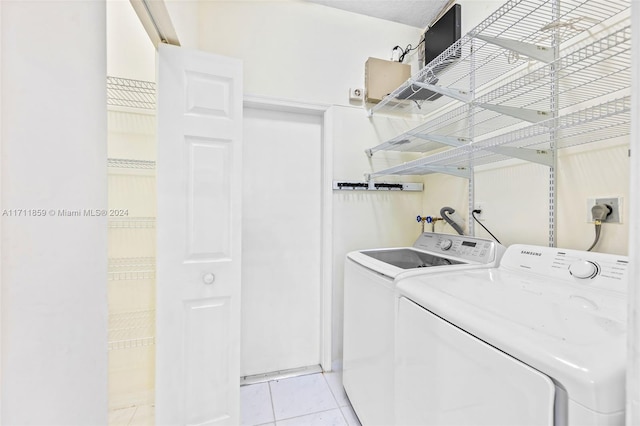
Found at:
<point>365,219</point>
<point>515,198</point>
<point>592,171</point>
<point>298,50</point>
<point>130,52</point>
<point>476,11</point>
<point>54,317</point>
<point>184,17</point>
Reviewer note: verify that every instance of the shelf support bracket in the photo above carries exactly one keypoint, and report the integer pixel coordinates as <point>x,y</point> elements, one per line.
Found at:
<point>445,140</point>
<point>529,115</point>
<point>463,172</point>
<point>533,51</point>
<point>459,95</point>
<point>539,156</point>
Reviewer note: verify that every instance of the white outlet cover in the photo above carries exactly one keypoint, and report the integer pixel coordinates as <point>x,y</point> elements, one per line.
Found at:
<point>356,94</point>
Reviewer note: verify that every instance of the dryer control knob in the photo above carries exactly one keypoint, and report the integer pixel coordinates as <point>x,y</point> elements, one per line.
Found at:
<point>584,269</point>
<point>446,244</point>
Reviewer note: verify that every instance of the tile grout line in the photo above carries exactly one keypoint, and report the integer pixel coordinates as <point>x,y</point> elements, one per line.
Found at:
<point>335,399</point>
<point>345,417</point>
<point>133,415</point>
<point>337,405</point>
<point>273,408</point>
<point>331,390</point>
<point>309,414</point>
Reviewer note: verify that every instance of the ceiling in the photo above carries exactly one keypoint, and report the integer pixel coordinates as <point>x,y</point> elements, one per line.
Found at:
<point>416,13</point>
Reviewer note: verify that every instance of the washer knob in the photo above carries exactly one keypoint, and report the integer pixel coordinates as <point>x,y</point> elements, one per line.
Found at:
<point>583,269</point>
<point>446,244</point>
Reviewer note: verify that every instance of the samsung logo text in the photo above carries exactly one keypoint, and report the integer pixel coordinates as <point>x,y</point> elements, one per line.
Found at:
<point>531,253</point>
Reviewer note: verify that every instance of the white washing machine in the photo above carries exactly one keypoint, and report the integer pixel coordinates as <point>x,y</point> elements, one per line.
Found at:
<point>369,299</point>
<point>540,340</point>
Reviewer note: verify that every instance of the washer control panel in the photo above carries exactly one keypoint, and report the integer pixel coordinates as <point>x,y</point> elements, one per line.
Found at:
<point>458,246</point>
<point>599,270</point>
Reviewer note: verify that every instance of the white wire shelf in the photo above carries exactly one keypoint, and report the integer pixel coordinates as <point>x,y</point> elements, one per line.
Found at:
<point>131,269</point>
<point>131,93</point>
<point>122,163</point>
<point>127,325</point>
<point>601,122</point>
<point>585,73</point>
<point>519,32</point>
<point>132,223</point>
<point>132,343</point>
<point>131,329</point>
<point>131,275</point>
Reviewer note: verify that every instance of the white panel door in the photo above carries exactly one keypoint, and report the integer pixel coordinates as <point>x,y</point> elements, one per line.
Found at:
<point>281,240</point>
<point>199,241</point>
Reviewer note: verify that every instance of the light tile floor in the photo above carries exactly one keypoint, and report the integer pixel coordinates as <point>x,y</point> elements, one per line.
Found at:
<point>141,415</point>
<point>311,400</point>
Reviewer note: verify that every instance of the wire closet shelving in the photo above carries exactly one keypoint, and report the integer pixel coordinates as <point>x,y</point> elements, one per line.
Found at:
<point>132,268</point>
<point>129,93</point>
<point>131,329</point>
<point>527,81</point>
<point>131,326</point>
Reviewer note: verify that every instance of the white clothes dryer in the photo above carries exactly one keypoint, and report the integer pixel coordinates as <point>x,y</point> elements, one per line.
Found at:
<point>369,298</point>
<point>539,340</point>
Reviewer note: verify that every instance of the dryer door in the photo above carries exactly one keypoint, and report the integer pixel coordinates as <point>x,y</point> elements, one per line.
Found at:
<point>445,376</point>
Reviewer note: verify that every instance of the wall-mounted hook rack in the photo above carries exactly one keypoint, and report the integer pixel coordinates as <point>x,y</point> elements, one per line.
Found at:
<point>342,185</point>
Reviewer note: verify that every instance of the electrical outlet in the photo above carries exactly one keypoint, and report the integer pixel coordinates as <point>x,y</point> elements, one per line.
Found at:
<point>356,94</point>
<point>616,208</point>
<point>478,205</point>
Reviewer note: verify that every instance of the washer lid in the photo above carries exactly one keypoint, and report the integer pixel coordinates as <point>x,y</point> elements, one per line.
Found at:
<point>575,335</point>
<point>430,252</point>
<point>392,262</point>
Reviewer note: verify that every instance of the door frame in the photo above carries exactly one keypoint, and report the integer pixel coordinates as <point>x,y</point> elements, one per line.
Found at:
<point>326,215</point>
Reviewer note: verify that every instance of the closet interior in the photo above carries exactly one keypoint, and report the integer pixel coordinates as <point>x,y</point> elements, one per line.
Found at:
<point>131,251</point>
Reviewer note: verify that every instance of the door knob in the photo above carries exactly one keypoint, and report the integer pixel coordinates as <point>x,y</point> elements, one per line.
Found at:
<point>208,278</point>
